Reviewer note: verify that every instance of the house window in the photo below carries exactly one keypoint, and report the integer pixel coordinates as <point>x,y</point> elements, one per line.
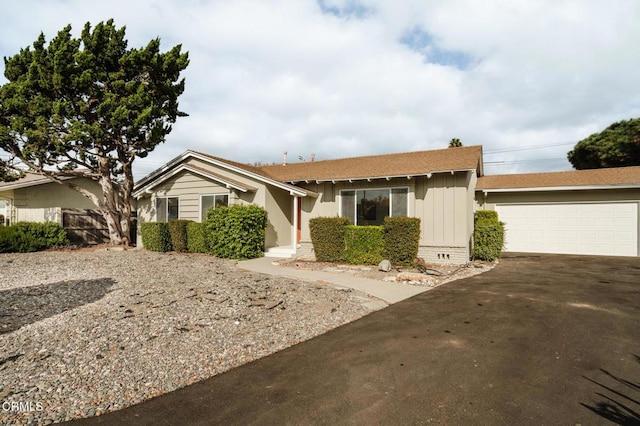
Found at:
<point>371,206</point>
<point>212,201</point>
<point>167,208</point>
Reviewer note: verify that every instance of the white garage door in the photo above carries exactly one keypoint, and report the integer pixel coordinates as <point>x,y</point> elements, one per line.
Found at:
<point>600,229</point>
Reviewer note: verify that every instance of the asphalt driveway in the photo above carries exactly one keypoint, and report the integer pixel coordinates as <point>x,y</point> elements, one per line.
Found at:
<point>540,339</point>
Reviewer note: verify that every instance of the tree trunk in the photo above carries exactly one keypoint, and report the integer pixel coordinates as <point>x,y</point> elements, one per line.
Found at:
<point>109,208</point>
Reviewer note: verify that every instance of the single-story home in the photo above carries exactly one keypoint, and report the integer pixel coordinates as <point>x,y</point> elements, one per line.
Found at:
<point>34,198</point>
<point>584,212</point>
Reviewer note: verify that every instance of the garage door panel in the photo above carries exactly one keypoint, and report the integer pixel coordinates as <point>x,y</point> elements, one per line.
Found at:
<point>581,228</point>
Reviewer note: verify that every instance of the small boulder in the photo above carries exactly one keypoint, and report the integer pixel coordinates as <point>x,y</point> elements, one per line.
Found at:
<point>384,266</point>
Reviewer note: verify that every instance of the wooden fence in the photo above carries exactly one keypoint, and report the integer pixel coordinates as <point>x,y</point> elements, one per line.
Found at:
<point>85,226</point>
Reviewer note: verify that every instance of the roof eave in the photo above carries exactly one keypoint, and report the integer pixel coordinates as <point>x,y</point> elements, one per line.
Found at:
<point>370,178</point>
<point>561,188</point>
<point>43,181</point>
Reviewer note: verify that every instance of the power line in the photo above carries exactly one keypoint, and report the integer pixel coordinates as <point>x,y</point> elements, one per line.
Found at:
<point>523,148</point>
<point>523,161</point>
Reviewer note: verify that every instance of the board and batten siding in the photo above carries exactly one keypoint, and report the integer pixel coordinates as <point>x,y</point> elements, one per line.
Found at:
<point>444,203</point>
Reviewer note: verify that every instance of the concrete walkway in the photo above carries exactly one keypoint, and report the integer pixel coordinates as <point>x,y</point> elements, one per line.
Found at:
<point>388,292</point>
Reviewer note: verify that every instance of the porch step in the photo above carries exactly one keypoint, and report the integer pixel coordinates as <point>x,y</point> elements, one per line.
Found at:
<point>282,252</point>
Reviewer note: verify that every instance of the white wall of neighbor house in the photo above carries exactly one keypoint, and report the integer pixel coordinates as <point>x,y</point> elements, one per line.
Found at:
<point>40,203</point>
<point>56,195</point>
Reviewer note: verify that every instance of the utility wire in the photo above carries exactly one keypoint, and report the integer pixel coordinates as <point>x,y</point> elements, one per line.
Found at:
<point>523,161</point>
<point>523,148</point>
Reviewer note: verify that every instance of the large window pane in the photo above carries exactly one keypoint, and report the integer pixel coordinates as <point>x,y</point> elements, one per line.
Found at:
<point>172,208</point>
<point>348,199</point>
<point>205,204</point>
<point>222,200</point>
<point>373,206</point>
<point>161,209</point>
<point>399,202</point>
<point>209,201</point>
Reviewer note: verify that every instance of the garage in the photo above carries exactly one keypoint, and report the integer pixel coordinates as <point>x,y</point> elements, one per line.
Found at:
<point>605,228</point>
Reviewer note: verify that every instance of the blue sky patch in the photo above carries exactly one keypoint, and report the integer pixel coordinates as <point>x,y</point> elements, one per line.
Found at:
<point>422,42</point>
<point>352,9</point>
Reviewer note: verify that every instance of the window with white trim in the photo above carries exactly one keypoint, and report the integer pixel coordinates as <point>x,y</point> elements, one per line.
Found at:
<point>212,201</point>
<point>167,208</point>
<point>370,206</point>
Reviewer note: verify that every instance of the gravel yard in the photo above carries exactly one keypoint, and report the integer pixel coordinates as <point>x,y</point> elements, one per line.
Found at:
<point>86,332</point>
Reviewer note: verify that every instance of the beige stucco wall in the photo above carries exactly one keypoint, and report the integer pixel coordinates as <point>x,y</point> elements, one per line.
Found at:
<point>279,206</point>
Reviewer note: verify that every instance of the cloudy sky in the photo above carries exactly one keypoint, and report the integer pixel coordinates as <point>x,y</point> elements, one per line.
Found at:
<point>525,79</point>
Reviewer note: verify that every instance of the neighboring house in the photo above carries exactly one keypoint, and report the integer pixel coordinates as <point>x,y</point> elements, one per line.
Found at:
<point>574,212</point>
<point>35,198</point>
<point>436,186</point>
<point>583,212</point>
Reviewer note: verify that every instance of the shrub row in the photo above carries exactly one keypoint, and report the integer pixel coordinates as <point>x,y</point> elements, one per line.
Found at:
<point>402,239</point>
<point>197,237</point>
<point>327,236</point>
<point>236,232</point>
<point>334,240</point>
<point>25,237</point>
<point>488,236</point>
<point>156,236</point>
<point>363,245</point>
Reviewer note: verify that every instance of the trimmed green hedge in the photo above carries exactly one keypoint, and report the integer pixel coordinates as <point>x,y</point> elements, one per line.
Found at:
<point>25,237</point>
<point>488,236</point>
<point>327,237</point>
<point>156,236</point>
<point>197,237</point>
<point>364,245</point>
<point>178,232</point>
<point>401,239</point>
<point>490,215</point>
<point>237,232</point>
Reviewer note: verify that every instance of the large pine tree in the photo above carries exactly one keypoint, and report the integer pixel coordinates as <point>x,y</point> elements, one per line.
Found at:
<point>89,107</point>
<point>616,146</point>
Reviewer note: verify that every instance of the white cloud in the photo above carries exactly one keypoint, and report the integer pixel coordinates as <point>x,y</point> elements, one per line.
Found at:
<point>287,75</point>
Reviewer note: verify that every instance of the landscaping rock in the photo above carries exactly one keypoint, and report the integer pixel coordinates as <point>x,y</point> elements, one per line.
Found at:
<point>91,331</point>
<point>384,266</point>
<point>411,276</point>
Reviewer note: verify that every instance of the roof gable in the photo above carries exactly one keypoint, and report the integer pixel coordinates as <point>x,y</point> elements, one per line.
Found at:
<point>617,176</point>
<point>149,181</point>
<point>380,166</point>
